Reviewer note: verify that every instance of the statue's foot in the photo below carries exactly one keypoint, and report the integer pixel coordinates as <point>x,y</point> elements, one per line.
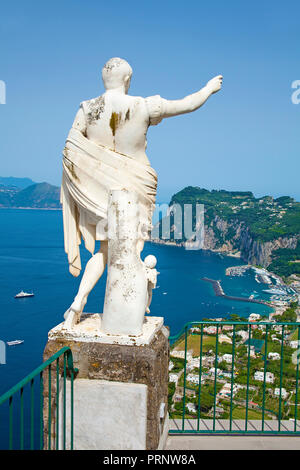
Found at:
<point>72,315</point>
<point>76,307</point>
<point>71,319</point>
<point>78,304</point>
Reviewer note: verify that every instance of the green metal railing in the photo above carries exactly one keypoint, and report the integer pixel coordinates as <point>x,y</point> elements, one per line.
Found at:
<point>268,405</point>
<point>47,385</point>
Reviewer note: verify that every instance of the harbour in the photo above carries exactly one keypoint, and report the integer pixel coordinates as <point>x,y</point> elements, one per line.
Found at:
<point>219,292</point>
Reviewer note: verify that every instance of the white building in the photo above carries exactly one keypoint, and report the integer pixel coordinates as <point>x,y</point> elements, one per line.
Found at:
<point>259,375</point>
<point>181,355</point>
<point>195,330</point>
<point>294,344</point>
<point>243,334</point>
<point>227,328</point>
<point>278,328</point>
<point>211,330</point>
<point>194,362</point>
<point>284,393</point>
<point>193,378</point>
<point>173,378</point>
<point>191,407</point>
<point>254,317</point>
<point>212,371</point>
<point>226,390</point>
<point>275,339</point>
<point>274,356</point>
<point>224,339</point>
<point>227,358</point>
<point>226,374</point>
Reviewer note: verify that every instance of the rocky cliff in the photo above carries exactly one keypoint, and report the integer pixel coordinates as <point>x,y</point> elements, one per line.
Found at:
<point>235,236</point>
<point>238,223</point>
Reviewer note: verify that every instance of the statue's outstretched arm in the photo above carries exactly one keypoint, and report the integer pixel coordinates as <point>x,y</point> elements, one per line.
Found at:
<point>192,102</point>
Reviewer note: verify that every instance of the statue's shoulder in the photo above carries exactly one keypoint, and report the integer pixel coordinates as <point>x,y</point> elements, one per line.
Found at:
<point>152,106</point>
<point>93,108</point>
<point>155,108</point>
<point>93,102</point>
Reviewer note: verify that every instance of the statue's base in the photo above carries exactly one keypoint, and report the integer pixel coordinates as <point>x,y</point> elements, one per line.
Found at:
<point>89,329</point>
<point>121,389</point>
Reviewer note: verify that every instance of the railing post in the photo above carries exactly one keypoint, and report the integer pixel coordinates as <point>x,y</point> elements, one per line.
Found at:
<point>32,414</point>
<point>280,380</point>
<point>215,384</point>
<point>297,380</point>
<point>200,378</point>
<point>248,377</point>
<point>184,377</point>
<point>232,376</point>
<point>264,384</point>
<point>57,404</point>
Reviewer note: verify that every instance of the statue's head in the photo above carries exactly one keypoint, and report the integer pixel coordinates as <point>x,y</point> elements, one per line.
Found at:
<point>116,73</point>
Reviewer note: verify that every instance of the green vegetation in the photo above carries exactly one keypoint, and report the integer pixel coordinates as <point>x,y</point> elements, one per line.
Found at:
<point>290,314</point>
<point>240,413</point>
<point>266,218</point>
<point>171,390</point>
<point>285,261</point>
<point>208,342</point>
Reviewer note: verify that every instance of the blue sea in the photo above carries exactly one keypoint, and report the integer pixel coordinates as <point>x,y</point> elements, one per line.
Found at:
<point>32,258</point>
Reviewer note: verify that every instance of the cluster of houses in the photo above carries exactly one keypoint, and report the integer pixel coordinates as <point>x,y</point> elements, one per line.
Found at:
<point>208,360</point>
<point>259,375</point>
<point>226,390</point>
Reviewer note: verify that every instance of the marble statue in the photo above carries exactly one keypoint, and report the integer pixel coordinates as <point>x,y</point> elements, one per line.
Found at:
<point>105,165</point>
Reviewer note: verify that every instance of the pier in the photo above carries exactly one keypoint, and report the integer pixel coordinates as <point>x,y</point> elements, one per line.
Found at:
<point>220,293</point>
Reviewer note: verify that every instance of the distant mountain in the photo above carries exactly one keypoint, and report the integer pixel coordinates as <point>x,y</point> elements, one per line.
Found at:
<point>37,196</point>
<point>42,195</point>
<point>7,194</point>
<point>20,183</point>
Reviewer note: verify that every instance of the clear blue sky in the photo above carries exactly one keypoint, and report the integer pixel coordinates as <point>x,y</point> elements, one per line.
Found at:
<point>247,137</point>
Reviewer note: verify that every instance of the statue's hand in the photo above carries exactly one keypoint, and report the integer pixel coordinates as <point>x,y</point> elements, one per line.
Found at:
<point>215,84</point>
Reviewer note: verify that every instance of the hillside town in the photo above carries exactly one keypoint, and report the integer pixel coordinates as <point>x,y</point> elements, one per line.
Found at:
<point>237,370</point>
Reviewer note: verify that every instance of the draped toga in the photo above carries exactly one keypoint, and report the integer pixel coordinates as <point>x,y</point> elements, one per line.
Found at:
<point>90,171</point>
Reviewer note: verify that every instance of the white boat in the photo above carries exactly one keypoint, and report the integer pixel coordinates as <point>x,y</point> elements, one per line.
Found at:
<point>22,294</point>
<point>15,342</point>
<point>275,291</point>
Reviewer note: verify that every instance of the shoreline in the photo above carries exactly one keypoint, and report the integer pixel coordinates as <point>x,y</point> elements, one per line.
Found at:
<point>232,254</point>
<point>276,309</point>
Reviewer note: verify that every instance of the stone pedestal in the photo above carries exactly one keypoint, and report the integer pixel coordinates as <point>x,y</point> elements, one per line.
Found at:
<point>127,283</point>
<point>121,389</point>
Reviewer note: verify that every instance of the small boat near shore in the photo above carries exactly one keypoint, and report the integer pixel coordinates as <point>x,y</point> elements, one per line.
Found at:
<point>23,294</point>
<point>15,342</point>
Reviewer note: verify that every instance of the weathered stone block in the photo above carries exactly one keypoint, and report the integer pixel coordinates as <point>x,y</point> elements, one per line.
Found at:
<point>123,363</point>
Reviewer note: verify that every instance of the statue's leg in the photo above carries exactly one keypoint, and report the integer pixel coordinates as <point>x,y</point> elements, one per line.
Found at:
<point>93,271</point>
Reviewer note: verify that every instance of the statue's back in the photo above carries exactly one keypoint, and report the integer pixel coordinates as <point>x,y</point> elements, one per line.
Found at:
<point>119,122</point>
